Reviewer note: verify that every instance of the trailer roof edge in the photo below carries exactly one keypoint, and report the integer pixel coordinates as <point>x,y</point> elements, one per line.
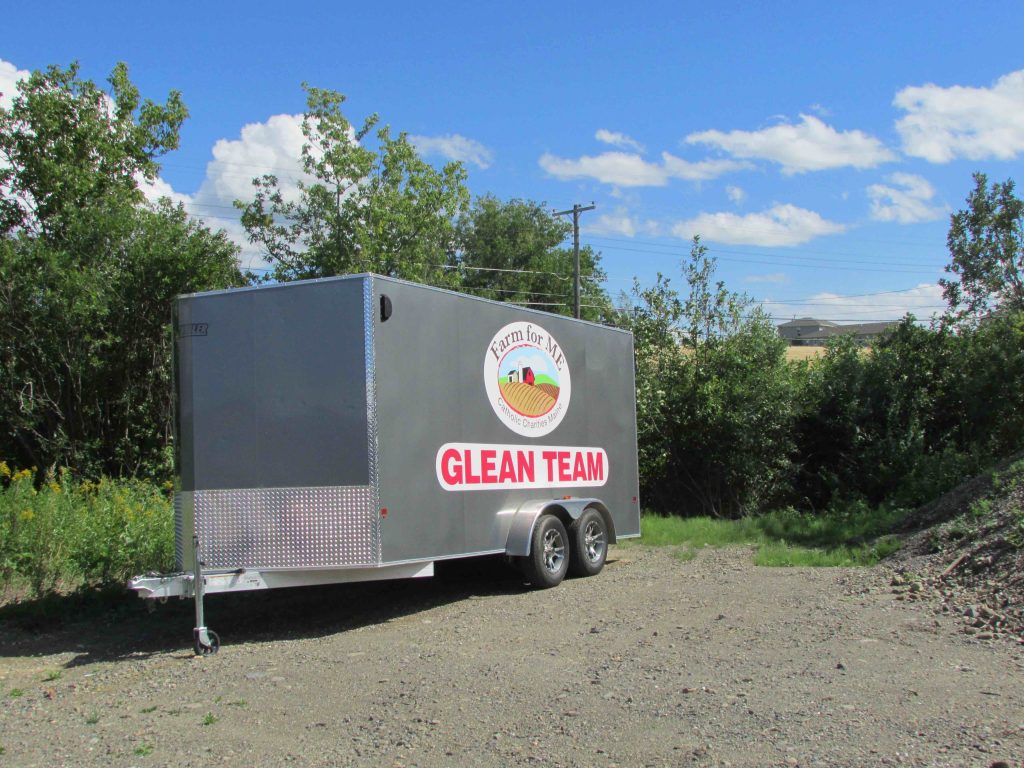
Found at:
<point>385,278</point>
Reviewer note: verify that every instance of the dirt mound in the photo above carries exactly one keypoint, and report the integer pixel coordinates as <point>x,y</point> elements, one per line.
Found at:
<point>967,547</point>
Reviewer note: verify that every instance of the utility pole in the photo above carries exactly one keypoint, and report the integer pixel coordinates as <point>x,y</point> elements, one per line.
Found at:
<point>576,210</point>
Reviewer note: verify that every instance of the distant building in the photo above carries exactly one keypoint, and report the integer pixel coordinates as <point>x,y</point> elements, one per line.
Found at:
<point>811,332</point>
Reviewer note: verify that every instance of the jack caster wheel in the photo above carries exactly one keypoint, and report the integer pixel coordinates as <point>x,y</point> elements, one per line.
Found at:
<point>204,649</point>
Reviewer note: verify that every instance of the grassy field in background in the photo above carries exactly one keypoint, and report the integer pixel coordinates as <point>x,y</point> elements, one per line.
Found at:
<point>804,353</point>
<point>785,538</point>
<point>813,353</point>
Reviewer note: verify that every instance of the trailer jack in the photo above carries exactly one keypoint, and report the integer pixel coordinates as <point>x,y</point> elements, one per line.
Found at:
<point>205,640</point>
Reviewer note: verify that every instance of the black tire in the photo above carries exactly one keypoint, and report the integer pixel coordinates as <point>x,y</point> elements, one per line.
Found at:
<point>212,648</point>
<point>548,561</point>
<point>589,538</point>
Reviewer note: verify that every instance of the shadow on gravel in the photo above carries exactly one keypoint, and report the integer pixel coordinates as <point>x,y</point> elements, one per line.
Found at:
<point>109,625</point>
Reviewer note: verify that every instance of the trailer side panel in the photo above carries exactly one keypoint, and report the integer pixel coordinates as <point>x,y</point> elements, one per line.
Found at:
<point>441,440</point>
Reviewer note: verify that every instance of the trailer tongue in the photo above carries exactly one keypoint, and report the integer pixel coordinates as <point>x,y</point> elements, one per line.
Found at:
<point>362,428</point>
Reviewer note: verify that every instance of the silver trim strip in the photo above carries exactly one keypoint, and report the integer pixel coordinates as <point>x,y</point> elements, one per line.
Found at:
<point>373,449</point>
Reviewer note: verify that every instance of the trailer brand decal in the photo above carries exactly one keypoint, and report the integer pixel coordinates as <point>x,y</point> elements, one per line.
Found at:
<point>192,329</point>
<point>480,467</point>
<point>527,379</point>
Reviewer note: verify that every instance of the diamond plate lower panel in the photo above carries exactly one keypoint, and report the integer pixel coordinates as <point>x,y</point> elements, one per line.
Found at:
<point>288,527</point>
<point>179,532</point>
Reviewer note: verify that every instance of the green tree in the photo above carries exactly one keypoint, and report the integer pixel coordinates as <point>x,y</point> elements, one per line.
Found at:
<point>715,397</point>
<point>986,243</point>
<point>87,274</point>
<point>359,208</point>
<point>653,315</point>
<point>513,251</point>
<point>66,145</point>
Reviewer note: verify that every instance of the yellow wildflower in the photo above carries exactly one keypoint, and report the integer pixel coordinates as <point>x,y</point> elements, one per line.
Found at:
<point>5,471</point>
<point>27,514</point>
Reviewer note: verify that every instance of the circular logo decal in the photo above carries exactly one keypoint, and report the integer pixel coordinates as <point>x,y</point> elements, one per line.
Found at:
<point>527,379</point>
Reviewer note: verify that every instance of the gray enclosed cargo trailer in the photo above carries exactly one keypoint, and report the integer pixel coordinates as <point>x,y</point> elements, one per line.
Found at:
<point>361,428</point>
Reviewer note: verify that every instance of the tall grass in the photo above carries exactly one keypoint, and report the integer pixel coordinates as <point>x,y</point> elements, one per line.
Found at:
<point>65,534</point>
<point>854,535</point>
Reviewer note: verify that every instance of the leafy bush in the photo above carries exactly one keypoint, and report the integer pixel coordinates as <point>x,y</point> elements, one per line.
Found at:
<point>715,397</point>
<point>67,534</point>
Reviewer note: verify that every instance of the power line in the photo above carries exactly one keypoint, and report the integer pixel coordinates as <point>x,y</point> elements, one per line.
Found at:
<point>817,262</point>
<point>817,301</point>
<point>780,260</point>
<point>684,248</point>
<point>834,297</point>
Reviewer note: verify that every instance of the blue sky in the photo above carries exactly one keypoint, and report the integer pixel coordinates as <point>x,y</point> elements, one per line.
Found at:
<point>818,150</point>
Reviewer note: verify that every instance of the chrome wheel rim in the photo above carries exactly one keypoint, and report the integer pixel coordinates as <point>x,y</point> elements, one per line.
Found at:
<point>554,551</point>
<point>594,542</point>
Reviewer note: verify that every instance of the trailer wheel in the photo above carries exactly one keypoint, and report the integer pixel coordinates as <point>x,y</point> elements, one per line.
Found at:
<point>208,650</point>
<point>589,537</point>
<point>547,562</point>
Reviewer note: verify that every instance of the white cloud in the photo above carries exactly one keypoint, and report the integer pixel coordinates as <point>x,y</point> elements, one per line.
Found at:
<point>906,203</point>
<point>158,188</point>
<point>810,145</point>
<point>619,168</point>
<point>625,169</point>
<point>617,139</point>
<point>619,223</point>
<point>780,225</point>
<point>736,194</point>
<point>9,77</point>
<point>923,301</point>
<point>975,123</point>
<point>271,147</point>
<point>705,170</point>
<point>274,147</point>
<point>454,147</point>
<point>775,277</point>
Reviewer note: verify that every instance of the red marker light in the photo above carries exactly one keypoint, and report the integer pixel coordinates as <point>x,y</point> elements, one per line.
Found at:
<point>384,512</point>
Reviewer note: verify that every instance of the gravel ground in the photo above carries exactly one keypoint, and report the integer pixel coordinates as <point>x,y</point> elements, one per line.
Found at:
<point>657,661</point>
